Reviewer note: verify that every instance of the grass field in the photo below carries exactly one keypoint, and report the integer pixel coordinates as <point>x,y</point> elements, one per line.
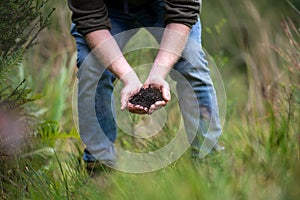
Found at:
<point>256,48</point>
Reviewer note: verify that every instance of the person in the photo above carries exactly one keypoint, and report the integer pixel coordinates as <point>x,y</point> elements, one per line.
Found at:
<point>95,22</point>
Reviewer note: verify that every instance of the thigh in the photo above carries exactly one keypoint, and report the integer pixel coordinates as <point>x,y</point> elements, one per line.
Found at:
<point>193,51</point>
<point>193,61</point>
<point>192,67</point>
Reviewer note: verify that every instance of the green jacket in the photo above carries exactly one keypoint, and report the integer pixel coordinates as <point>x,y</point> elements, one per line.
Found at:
<point>91,15</point>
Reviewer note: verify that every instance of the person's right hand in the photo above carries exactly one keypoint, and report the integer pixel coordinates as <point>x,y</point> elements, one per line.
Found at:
<point>132,86</point>
<point>158,82</point>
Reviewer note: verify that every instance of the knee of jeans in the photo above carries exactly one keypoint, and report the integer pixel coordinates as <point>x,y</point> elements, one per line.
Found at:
<point>205,112</point>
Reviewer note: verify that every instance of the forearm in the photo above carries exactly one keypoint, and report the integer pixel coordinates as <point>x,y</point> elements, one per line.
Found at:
<point>171,47</point>
<point>108,52</point>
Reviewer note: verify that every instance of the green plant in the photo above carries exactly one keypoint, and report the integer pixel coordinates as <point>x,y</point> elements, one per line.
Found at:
<point>21,22</point>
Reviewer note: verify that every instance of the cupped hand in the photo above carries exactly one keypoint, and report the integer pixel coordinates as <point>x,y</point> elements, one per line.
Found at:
<point>158,82</point>
<point>132,86</point>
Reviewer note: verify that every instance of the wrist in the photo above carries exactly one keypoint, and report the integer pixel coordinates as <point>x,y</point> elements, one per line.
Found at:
<point>159,70</point>
<point>121,69</point>
<point>131,76</point>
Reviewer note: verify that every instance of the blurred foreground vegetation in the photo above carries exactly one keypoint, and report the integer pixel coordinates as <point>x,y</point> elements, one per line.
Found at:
<point>256,46</point>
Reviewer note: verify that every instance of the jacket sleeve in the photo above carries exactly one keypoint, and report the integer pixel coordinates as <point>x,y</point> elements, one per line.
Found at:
<point>182,11</point>
<point>89,15</point>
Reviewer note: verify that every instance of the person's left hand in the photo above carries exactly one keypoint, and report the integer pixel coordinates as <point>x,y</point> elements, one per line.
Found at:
<point>158,82</point>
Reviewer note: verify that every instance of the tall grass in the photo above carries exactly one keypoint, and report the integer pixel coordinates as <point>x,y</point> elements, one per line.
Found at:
<point>50,68</point>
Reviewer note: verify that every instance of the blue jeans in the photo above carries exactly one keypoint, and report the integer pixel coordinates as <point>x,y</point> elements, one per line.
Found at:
<point>193,67</point>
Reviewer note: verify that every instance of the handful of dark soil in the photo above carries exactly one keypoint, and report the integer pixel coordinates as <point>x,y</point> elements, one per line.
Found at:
<point>146,97</point>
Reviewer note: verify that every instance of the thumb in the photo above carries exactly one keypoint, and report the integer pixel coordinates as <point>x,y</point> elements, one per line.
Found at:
<point>124,99</point>
<point>166,93</point>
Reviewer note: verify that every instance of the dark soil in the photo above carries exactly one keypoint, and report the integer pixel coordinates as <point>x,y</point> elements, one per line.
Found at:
<point>146,97</point>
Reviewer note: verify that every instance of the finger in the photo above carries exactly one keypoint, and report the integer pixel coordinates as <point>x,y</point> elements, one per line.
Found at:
<point>157,105</point>
<point>136,108</point>
<point>132,106</point>
<point>146,85</point>
<point>152,109</point>
<point>160,103</point>
<point>141,107</point>
<point>136,91</point>
<point>137,111</point>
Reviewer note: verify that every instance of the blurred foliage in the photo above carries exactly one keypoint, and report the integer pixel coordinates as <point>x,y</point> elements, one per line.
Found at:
<point>240,38</point>
<point>55,63</point>
<point>21,22</point>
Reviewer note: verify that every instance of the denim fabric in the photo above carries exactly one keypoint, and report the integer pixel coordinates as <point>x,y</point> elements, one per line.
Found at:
<point>193,67</point>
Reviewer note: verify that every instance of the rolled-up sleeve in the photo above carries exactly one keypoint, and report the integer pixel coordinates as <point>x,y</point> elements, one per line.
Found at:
<point>182,11</point>
<point>89,15</point>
